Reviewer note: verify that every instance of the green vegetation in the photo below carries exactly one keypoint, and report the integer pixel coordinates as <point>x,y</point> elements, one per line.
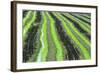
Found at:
<point>58,44</point>
<point>75,35</point>
<point>44,42</point>
<point>56,36</point>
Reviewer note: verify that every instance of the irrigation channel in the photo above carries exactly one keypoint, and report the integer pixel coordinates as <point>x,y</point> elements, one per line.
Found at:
<point>56,36</point>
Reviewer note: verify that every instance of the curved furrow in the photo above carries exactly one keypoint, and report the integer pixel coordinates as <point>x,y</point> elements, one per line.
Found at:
<point>82,24</point>
<point>29,44</point>
<point>86,16</point>
<point>52,47</point>
<point>27,16</point>
<point>78,34</point>
<point>70,33</point>
<point>79,29</point>
<point>71,53</point>
<point>35,35</point>
<point>28,25</point>
<point>56,40</point>
<point>42,55</point>
<point>82,18</point>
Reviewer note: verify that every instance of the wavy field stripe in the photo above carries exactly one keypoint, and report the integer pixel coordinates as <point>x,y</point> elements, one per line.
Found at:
<point>57,42</point>
<point>36,30</point>
<point>26,17</point>
<point>52,47</point>
<point>86,16</point>
<point>70,52</point>
<point>78,20</point>
<point>83,25</point>
<point>42,55</point>
<point>83,50</point>
<point>82,17</point>
<point>28,25</point>
<point>82,38</point>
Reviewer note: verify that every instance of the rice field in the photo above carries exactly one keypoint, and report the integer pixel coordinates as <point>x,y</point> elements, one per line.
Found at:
<point>56,36</point>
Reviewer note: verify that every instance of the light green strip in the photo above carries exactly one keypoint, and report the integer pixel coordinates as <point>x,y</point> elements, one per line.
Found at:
<point>84,51</point>
<point>26,17</point>
<point>44,42</point>
<point>82,17</point>
<point>87,16</point>
<point>82,37</point>
<point>28,25</point>
<point>58,44</point>
<point>83,25</point>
